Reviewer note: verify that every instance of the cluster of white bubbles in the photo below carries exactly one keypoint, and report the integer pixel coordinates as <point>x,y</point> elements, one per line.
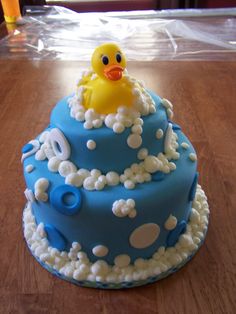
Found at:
<point>95,180</point>
<point>123,208</point>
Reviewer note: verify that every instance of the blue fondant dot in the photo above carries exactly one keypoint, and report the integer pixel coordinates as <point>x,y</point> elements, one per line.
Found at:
<point>174,234</point>
<point>158,176</point>
<point>193,189</point>
<point>55,238</point>
<point>66,199</point>
<point>27,148</point>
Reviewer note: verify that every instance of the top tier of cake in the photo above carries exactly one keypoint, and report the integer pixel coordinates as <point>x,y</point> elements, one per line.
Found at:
<point>99,148</point>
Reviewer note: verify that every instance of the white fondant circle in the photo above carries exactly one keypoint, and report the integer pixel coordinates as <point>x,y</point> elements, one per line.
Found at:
<point>91,144</point>
<point>57,138</point>
<point>144,236</point>
<point>100,250</point>
<point>122,260</point>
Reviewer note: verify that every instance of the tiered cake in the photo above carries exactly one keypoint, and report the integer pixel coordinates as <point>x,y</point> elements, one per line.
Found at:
<point>112,192</point>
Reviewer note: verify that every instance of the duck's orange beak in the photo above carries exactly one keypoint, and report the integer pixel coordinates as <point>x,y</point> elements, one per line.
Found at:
<point>113,72</point>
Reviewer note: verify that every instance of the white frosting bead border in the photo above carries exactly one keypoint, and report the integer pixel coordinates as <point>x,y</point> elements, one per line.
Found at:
<point>101,275</point>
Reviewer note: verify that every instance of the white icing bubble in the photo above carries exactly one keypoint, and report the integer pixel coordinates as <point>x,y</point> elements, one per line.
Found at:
<point>80,116</point>
<point>41,184</point>
<point>91,144</point>
<point>40,187</point>
<point>102,179</point>
<point>100,250</point>
<point>134,141</point>
<point>74,179</point>
<point>137,129</point>
<point>90,115</point>
<point>79,275</point>
<point>152,164</point>
<point>128,172</point>
<point>194,216</point>
<point>139,178</point>
<point>159,134</point>
<point>41,196</point>
<point>130,202</point>
<point>144,236</point>
<point>110,120</point>
<point>99,268</point>
<point>89,183</point>
<point>118,127</point>
<point>83,173</point>
<point>171,222</point>
<point>29,168</point>
<point>112,178</point>
<point>53,164</point>
<point>99,185</point>
<point>88,125</point>
<point>142,153</point>
<point>128,184</point>
<point>95,173</point>
<point>185,145</point>
<point>40,155</point>
<point>172,166</point>
<point>122,260</point>
<point>193,157</point>
<point>123,110</point>
<point>66,167</point>
<point>76,246</point>
<point>138,121</point>
<point>97,123</point>
<point>185,240</point>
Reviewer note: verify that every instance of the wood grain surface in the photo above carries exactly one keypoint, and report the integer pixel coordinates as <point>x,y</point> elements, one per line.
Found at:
<point>204,98</point>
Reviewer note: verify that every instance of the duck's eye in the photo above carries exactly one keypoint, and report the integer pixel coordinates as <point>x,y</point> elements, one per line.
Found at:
<point>105,60</point>
<point>118,57</point>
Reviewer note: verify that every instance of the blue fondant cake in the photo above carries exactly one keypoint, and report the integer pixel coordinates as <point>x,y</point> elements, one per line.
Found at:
<point>112,192</point>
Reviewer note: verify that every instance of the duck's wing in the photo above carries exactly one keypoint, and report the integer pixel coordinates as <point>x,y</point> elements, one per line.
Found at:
<point>85,78</point>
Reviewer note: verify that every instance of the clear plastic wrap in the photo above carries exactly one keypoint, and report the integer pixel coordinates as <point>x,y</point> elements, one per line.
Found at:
<point>59,33</point>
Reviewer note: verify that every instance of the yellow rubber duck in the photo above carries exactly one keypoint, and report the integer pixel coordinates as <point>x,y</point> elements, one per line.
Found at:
<point>108,89</point>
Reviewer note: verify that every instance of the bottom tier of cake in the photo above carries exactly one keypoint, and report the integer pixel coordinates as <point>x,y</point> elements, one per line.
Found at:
<point>78,269</point>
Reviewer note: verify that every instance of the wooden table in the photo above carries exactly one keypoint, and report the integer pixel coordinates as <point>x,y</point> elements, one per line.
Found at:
<point>203,94</point>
